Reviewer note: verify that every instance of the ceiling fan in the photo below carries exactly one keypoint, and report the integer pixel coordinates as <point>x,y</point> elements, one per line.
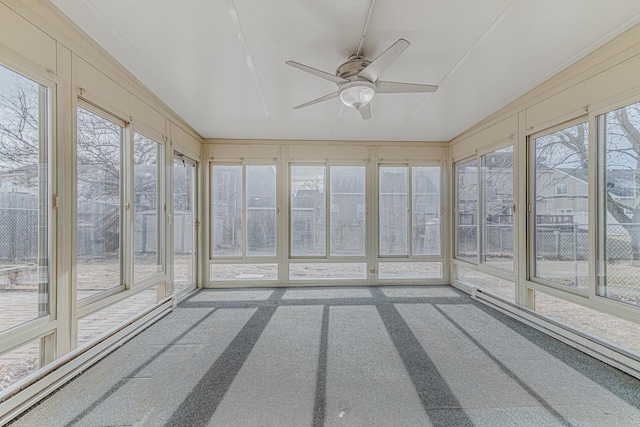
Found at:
<point>358,79</point>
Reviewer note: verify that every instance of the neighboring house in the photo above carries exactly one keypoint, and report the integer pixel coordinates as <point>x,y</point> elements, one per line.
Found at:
<point>564,192</point>
<point>561,195</point>
<point>20,180</point>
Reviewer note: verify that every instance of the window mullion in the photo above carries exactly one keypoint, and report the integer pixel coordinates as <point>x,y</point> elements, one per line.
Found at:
<point>478,211</point>
<point>482,221</point>
<point>327,209</point>
<point>599,269</point>
<point>127,185</point>
<point>245,237</point>
<point>409,211</point>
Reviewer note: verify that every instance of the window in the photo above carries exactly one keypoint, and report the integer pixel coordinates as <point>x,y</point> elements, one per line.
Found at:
<point>20,363</point>
<point>561,240</point>
<point>147,215</point>
<point>393,210</point>
<point>308,204</point>
<point>503,288</point>
<point>97,323</point>
<point>562,189</point>
<point>327,271</point>
<point>409,270</point>
<point>619,204</point>
<point>99,203</point>
<point>425,208</point>
<point>243,206</point>
<point>184,243</point>
<point>24,200</point>
<point>467,210</point>
<point>496,179</point>
<point>347,203</point>
<point>342,232</point>
<point>261,210</point>
<point>226,210</point>
<point>422,218</point>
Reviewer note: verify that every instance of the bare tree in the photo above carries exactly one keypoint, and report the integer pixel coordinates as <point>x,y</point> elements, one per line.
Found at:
<point>567,150</point>
<point>19,125</point>
<point>623,150</point>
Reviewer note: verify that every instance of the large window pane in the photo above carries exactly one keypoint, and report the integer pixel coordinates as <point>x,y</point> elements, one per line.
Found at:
<point>561,207</point>
<point>147,215</point>
<point>496,285</point>
<point>226,208</point>
<point>19,363</point>
<point>621,215</point>
<point>409,270</point>
<point>425,192</point>
<point>261,210</point>
<point>96,324</point>
<point>497,208</point>
<point>183,223</point>
<point>348,219</point>
<point>393,210</point>
<point>243,272</point>
<point>99,200</point>
<point>328,271</point>
<point>622,332</point>
<point>467,211</point>
<point>24,276</point>
<point>308,206</point>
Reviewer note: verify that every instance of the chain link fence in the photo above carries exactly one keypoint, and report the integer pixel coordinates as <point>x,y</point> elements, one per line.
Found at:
<point>562,251</point>
<point>19,236</point>
<point>18,246</point>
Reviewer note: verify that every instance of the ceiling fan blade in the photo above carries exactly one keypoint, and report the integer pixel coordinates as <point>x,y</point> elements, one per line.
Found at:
<point>396,87</point>
<point>373,71</point>
<point>315,101</point>
<point>365,111</point>
<point>321,74</point>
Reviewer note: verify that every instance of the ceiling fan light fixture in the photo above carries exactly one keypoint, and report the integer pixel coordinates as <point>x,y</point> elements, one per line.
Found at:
<point>357,94</point>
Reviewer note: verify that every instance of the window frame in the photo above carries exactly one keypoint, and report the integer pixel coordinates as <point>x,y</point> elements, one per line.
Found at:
<point>243,258</point>
<point>327,257</point>
<point>441,199</point>
<point>125,196</point>
<point>169,234</point>
<point>160,208</point>
<point>531,204</point>
<point>564,186</point>
<point>44,328</point>
<point>482,201</point>
<point>456,209</point>
<point>598,205</point>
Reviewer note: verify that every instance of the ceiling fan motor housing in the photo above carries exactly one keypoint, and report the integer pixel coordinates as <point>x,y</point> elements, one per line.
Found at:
<point>352,67</point>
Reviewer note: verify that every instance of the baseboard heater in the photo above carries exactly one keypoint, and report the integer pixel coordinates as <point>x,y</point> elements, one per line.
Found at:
<point>604,351</point>
<point>26,393</point>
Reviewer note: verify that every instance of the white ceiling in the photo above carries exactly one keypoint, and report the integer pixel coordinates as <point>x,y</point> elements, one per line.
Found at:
<point>220,64</point>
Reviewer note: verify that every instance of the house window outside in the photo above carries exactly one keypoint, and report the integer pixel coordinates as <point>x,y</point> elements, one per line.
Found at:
<point>562,189</point>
